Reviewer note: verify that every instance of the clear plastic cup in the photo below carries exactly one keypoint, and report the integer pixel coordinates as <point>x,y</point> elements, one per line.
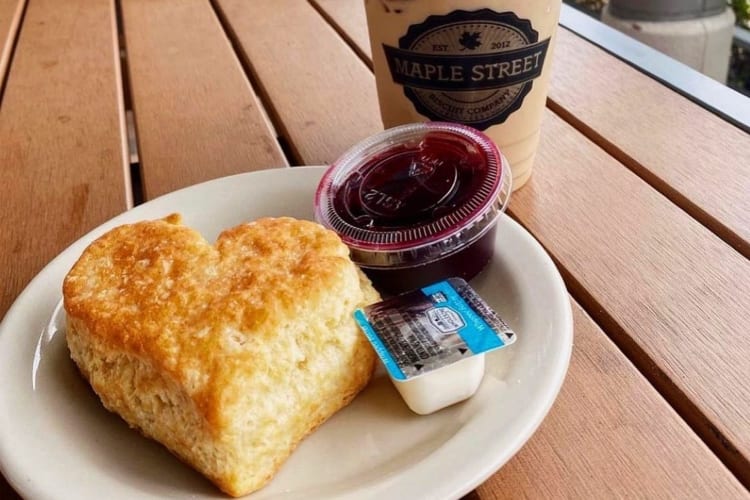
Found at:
<point>483,63</point>
<point>417,203</point>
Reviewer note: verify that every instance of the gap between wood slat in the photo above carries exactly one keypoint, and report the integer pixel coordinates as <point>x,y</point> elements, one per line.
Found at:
<point>16,32</point>
<point>342,33</point>
<point>264,102</point>
<point>135,176</point>
<point>737,464</point>
<point>688,411</point>
<point>711,223</point>
<point>721,230</point>
<point>473,495</point>
<point>129,116</point>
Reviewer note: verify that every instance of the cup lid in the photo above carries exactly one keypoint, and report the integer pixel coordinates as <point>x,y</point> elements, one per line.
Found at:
<point>414,193</point>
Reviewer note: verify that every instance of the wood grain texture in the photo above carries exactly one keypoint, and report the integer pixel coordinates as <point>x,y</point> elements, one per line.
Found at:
<point>655,271</point>
<point>685,151</point>
<point>10,18</point>
<point>323,97</point>
<point>350,21</point>
<point>196,115</point>
<point>688,153</point>
<point>610,435</point>
<point>62,150</point>
<point>671,293</point>
<point>669,290</point>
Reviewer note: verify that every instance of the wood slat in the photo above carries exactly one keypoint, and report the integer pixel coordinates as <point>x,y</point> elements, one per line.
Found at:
<point>655,274</point>
<point>707,177</point>
<point>661,283</point>
<point>322,97</point>
<point>610,435</point>
<point>654,254</point>
<point>62,150</point>
<point>10,17</point>
<point>671,293</point>
<point>685,151</point>
<point>196,115</point>
<point>350,21</point>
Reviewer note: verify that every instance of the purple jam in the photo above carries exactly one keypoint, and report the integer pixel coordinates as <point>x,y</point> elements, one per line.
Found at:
<point>465,263</point>
<point>417,203</point>
<point>412,184</point>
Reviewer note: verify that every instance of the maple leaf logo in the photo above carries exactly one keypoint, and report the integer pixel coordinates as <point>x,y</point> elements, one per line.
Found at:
<point>470,40</point>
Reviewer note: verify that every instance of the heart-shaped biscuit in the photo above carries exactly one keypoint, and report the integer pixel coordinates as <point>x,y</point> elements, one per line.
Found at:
<point>228,354</point>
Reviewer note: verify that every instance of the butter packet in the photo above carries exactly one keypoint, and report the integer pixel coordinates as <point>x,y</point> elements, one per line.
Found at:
<point>424,330</point>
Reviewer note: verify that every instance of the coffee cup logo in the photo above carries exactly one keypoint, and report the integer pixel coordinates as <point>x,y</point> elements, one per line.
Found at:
<point>468,67</point>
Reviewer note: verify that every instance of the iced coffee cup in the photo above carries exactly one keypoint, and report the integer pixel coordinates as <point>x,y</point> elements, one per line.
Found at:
<point>482,63</point>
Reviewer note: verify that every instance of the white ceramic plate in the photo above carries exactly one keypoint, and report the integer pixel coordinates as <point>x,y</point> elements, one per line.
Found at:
<point>57,441</point>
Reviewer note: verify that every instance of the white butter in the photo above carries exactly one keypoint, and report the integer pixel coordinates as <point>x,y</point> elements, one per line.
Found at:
<point>443,387</point>
<point>432,342</point>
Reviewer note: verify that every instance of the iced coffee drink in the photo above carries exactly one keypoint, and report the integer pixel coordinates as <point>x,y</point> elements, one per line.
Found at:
<point>482,63</point>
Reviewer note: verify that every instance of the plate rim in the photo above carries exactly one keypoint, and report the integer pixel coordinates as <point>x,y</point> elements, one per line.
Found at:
<point>451,487</point>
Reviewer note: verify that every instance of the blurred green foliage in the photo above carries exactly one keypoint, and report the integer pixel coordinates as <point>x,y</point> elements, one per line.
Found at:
<point>741,11</point>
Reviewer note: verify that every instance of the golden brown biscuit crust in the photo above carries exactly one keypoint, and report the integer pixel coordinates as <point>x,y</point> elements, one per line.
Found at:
<point>202,321</point>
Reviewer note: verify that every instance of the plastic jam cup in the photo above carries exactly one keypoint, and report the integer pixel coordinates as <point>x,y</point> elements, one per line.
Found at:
<point>417,203</point>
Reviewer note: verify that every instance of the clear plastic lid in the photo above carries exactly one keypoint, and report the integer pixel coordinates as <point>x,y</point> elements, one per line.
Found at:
<point>415,193</point>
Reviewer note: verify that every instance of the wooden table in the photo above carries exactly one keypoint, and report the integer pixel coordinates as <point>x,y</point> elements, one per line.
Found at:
<point>641,197</point>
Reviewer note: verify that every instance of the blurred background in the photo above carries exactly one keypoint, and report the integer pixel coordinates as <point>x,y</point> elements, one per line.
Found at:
<point>711,36</point>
